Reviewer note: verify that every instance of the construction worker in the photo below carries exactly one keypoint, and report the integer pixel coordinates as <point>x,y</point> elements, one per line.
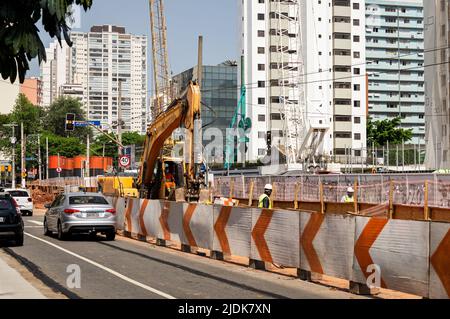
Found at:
<point>349,198</point>
<point>170,182</point>
<point>264,199</point>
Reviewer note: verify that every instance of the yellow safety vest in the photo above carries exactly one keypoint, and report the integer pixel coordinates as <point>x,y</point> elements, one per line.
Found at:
<point>349,199</point>
<point>261,201</point>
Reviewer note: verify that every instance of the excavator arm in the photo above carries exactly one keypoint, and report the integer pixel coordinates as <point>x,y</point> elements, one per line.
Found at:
<point>181,113</point>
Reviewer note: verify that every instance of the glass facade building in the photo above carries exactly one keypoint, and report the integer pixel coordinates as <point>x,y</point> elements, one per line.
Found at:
<point>395,62</point>
<point>219,93</point>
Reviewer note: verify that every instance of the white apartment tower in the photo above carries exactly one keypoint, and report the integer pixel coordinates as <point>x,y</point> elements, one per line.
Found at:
<point>96,62</point>
<point>437,83</point>
<point>305,67</point>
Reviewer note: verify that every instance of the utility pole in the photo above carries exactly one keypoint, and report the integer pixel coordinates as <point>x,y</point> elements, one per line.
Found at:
<point>119,118</point>
<point>23,160</point>
<point>59,165</point>
<point>46,156</point>
<point>88,155</point>
<point>39,157</point>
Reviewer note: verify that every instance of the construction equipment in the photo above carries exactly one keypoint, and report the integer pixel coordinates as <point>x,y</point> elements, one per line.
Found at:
<point>184,112</point>
<point>163,94</point>
<point>123,186</point>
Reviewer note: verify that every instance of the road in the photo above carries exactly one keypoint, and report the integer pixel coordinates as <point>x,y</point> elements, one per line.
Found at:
<point>130,269</point>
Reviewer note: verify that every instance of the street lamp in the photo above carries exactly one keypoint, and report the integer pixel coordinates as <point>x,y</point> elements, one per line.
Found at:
<point>13,142</point>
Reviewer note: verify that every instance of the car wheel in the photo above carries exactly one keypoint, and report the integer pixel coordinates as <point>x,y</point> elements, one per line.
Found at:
<point>61,234</point>
<point>47,231</point>
<point>19,240</point>
<point>111,235</point>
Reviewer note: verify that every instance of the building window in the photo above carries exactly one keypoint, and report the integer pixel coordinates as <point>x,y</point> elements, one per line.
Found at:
<point>261,84</point>
<point>261,101</point>
<point>262,135</point>
<point>357,120</point>
<point>358,153</point>
<point>261,50</point>
<point>356,71</point>
<point>260,16</point>
<point>356,38</point>
<point>261,118</point>
<point>261,33</point>
<point>356,6</point>
<point>356,55</point>
<point>358,136</point>
<point>356,87</point>
<point>261,67</point>
<point>357,103</point>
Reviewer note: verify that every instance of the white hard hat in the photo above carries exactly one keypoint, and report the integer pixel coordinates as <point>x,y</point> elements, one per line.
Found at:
<point>268,186</point>
<point>350,190</point>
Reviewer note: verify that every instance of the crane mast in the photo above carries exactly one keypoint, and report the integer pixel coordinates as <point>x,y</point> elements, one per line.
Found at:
<point>163,94</point>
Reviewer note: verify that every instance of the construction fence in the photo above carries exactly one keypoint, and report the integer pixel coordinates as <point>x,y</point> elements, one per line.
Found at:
<point>403,255</point>
<point>410,190</point>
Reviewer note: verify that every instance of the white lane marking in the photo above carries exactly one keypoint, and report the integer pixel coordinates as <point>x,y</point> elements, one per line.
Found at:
<point>115,273</point>
<point>35,222</point>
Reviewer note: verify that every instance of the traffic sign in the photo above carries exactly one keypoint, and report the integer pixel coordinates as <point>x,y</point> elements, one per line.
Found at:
<point>84,123</point>
<point>125,161</point>
<point>58,170</point>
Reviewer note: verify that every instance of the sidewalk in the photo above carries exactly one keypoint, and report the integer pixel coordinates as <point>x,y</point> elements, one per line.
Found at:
<point>14,286</point>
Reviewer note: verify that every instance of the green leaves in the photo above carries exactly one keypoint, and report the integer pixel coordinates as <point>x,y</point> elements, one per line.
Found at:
<point>19,36</point>
<point>381,132</point>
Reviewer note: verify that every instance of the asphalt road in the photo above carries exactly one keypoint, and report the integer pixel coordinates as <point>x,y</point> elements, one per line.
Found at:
<point>130,269</point>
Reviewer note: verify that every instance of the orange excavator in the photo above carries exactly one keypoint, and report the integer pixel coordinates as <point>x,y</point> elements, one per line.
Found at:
<point>159,168</point>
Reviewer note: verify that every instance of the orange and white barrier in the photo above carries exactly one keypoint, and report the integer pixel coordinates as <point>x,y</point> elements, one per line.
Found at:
<point>407,256</point>
<point>400,250</point>
<point>272,237</point>
<point>232,230</point>
<point>326,244</point>
<point>440,261</point>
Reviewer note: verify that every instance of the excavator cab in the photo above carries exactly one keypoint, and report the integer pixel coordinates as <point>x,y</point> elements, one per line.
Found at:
<point>168,177</point>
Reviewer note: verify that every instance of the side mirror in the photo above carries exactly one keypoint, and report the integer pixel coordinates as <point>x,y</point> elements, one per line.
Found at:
<point>48,206</point>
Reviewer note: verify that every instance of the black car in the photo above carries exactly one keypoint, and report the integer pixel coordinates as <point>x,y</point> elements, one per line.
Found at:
<point>11,223</point>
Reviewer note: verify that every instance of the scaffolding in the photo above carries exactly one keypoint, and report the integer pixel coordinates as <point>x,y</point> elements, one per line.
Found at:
<point>286,53</point>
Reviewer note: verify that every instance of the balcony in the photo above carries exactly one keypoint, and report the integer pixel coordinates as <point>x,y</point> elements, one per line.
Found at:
<point>342,60</point>
<point>343,94</point>
<point>342,27</point>
<point>343,76</point>
<point>342,142</point>
<point>342,11</point>
<point>343,44</point>
<point>343,126</point>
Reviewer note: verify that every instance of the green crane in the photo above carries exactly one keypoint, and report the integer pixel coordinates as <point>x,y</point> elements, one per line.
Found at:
<point>243,123</point>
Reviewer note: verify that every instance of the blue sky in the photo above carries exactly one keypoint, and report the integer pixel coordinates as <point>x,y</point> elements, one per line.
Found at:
<point>216,20</point>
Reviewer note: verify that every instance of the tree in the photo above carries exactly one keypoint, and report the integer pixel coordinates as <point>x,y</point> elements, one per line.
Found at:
<point>19,35</point>
<point>55,118</point>
<point>64,146</point>
<point>381,132</point>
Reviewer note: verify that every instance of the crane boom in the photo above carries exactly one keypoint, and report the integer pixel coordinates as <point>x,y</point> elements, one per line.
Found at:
<point>161,69</point>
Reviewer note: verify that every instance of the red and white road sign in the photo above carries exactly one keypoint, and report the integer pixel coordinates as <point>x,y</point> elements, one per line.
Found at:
<point>125,161</point>
<point>58,170</point>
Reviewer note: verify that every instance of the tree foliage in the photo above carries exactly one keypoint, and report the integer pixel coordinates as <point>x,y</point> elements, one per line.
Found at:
<point>55,118</point>
<point>19,36</point>
<point>383,131</point>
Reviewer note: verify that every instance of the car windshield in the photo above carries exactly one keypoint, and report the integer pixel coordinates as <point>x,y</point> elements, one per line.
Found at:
<point>85,200</point>
<point>18,193</point>
<point>5,204</point>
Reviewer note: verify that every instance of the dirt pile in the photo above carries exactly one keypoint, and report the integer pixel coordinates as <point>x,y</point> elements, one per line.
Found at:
<point>41,198</point>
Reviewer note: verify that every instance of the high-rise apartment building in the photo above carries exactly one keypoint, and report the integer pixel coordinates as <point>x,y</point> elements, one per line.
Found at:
<point>96,62</point>
<point>32,89</point>
<point>305,67</point>
<point>437,83</point>
<point>395,58</point>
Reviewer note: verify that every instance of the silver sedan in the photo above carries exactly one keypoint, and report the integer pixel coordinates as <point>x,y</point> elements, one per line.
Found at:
<point>88,213</point>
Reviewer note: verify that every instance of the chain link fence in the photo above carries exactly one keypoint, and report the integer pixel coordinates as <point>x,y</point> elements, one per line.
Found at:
<point>410,190</point>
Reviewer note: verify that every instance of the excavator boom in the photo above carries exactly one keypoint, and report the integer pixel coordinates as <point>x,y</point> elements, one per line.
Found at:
<point>181,113</point>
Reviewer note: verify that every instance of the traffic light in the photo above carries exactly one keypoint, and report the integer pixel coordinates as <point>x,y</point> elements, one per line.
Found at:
<point>70,122</point>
